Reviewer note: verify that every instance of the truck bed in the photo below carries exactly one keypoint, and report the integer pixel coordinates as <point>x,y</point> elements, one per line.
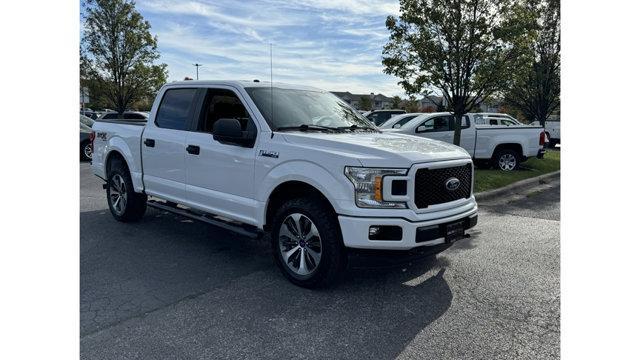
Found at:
<point>488,135</point>
<point>121,135</point>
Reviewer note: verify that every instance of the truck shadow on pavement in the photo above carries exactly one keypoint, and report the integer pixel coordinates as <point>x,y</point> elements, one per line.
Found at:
<point>224,293</point>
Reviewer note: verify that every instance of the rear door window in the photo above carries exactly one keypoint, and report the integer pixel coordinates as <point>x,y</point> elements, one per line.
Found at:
<point>176,109</point>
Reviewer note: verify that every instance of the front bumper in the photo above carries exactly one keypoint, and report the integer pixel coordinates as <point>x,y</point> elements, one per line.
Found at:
<point>355,231</point>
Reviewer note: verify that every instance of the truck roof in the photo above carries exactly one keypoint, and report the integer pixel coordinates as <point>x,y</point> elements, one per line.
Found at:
<point>242,84</point>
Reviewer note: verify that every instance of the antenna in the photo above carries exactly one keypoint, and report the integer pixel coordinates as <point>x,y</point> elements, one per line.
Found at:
<point>271,82</point>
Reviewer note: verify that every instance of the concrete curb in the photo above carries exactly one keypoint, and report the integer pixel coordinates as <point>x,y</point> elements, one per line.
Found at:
<point>516,186</point>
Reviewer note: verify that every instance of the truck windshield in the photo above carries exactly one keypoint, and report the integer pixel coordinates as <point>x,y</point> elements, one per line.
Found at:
<point>306,110</point>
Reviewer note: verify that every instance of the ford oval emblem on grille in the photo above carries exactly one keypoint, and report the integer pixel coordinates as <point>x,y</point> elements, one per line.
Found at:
<point>452,184</point>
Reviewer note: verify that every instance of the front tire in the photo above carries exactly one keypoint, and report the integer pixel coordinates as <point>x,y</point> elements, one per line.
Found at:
<point>307,243</point>
<point>124,203</point>
<point>507,160</point>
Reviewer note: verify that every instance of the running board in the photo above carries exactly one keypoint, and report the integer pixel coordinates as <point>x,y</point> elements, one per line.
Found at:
<point>245,230</point>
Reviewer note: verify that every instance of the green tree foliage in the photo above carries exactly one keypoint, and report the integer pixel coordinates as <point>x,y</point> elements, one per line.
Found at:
<point>365,103</point>
<point>118,54</point>
<point>535,91</point>
<point>467,49</point>
<point>395,102</point>
<point>412,105</point>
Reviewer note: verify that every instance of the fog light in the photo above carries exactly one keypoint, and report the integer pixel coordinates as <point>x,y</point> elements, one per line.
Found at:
<point>373,231</point>
<point>385,232</point>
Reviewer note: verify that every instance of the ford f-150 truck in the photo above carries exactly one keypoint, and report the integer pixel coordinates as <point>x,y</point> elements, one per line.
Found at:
<point>503,146</point>
<point>295,163</point>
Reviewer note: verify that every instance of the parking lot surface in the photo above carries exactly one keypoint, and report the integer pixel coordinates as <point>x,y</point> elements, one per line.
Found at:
<point>171,288</point>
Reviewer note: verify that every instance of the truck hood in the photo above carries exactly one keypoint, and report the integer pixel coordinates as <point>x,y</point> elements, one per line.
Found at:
<point>387,149</point>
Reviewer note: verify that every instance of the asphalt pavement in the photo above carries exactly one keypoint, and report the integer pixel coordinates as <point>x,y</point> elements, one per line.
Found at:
<point>171,288</point>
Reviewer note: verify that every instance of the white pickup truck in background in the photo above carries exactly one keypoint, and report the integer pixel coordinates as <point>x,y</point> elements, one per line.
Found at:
<point>504,146</point>
<point>552,127</point>
<point>293,162</point>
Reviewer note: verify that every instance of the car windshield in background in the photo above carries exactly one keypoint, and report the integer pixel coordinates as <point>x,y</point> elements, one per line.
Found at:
<point>306,110</point>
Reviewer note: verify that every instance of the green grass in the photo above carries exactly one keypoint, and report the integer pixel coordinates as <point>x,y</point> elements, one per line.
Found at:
<point>493,179</point>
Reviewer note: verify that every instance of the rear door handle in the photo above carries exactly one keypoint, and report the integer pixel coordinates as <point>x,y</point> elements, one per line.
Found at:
<point>193,149</point>
<point>150,142</point>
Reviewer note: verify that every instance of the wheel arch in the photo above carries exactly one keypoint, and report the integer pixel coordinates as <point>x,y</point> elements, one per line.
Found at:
<point>287,190</point>
<point>517,147</point>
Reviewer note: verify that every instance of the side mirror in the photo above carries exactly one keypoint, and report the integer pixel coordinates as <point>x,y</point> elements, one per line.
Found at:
<point>227,129</point>
<point>421,128</point>
<point>230,131</point>
<point>396,126</point>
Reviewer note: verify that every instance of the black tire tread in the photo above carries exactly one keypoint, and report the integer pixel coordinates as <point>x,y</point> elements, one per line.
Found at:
<point>136,202</point>
<point>334,258</point>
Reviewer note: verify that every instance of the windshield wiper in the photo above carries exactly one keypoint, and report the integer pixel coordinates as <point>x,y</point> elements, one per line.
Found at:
<point>306,127</point>
<point>355,127</point>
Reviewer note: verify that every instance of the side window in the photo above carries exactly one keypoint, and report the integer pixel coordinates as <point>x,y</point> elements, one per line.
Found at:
<point>174,110</point>
<point>436,124</point>
<point>133,116</point>
<point>507,122</point>
<point>110,116</point>
<point>223,104</point>
<point>493,122</point>
<point>465,122</point>
<point>403,121</point>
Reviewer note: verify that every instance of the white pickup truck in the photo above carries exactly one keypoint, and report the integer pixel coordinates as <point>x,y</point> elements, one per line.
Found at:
<point>504,146</point>
<point>552,128</point>
<point>293,162</point>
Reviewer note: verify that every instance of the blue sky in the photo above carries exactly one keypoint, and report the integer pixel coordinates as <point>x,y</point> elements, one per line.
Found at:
<point>333,44</point>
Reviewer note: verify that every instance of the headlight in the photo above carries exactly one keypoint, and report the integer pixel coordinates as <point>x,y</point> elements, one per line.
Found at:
<point>368,186</point>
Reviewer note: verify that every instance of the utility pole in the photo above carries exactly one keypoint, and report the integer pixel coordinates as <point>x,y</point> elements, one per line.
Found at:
<point>197,73</point>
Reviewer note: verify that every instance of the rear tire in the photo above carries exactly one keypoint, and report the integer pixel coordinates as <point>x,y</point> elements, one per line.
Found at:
<point>307,243</point>
<point>506,160</point>
<point>124,203</point>
<point>85,151</point>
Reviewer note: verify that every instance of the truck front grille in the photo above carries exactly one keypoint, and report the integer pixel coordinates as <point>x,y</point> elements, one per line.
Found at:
<point>430,185</point>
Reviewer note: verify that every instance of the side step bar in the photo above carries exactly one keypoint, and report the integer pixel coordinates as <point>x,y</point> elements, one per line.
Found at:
<point>245,230</point>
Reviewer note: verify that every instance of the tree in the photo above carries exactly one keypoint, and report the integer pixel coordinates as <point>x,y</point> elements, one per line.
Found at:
<point>395,102</point>
<point>535,91</point>
<point>365,103</point>
<point>464,48</point>
<point>118,54</point>
<point>412,105</point>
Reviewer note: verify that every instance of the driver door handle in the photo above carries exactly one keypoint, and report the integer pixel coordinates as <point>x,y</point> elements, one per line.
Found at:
<point>149,142</point>
<point>193,149</point>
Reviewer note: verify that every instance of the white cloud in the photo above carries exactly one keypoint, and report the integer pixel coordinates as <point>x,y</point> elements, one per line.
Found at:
<point>316,43</point>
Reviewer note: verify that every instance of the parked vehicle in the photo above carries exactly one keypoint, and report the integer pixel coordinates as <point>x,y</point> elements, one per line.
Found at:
<point>127,115</point>
<point>294,162</point>
<point>398,120</point>
<point>85,142</point>
<point>87,121</point>
<point>504,146</point>
<point>495,119</point>
<point>552,128</point>
<point>380,116</point>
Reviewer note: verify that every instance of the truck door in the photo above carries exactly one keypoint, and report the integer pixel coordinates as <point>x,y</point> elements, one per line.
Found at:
<point>163,145</point>
<point>220,175</point>
<point>438,128</point>
<point>467,135</point>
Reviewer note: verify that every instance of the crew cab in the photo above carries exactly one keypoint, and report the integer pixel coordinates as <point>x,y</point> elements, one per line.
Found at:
<point>294,163</point>
<point>506,147</point>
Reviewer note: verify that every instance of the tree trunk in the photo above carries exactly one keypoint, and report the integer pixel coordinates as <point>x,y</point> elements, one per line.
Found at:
<point>457,129</point>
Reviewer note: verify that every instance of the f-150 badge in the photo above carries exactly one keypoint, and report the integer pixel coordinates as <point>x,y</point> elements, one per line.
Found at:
<point>271,154</point>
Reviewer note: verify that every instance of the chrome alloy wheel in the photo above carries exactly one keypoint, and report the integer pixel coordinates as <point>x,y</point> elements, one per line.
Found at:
<point>87,151</point>
<point>300,245</point>
<point>507,162</point>
<point>118,194</point>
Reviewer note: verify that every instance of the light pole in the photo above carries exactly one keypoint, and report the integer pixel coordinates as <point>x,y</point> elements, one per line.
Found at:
<point>197,73</point>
